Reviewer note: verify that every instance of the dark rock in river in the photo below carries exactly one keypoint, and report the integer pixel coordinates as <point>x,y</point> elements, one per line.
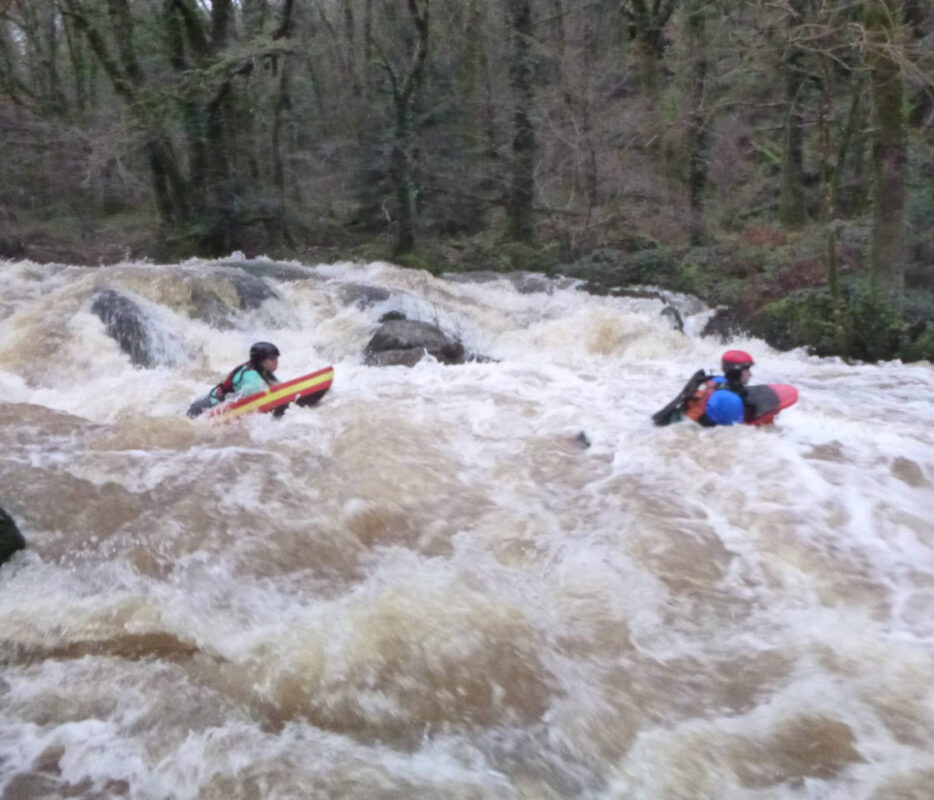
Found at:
<point>524,282</point>
<point>12,248</point>
<point>402,334</point>
<point>127,324</point>
<point>724,324</point>
<point>263,268</point>
<point>404,342</point>
<point>395,358</point>
<point>11,539</point>
<point>215,304</point>
<point>476,276</point>
<point>531,282</point>
<point>252,292</point>
<point>674,317</point>
<point>209,307</point>
<point>361,295</point>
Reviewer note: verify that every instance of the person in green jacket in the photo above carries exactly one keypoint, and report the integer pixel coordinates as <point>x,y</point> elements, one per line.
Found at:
<point>255,375</point>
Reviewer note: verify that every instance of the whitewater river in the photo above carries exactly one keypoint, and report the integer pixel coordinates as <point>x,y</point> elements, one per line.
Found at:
<point>427,586</point>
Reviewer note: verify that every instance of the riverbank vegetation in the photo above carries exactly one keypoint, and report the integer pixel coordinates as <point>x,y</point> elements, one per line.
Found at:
<point>773,158</point>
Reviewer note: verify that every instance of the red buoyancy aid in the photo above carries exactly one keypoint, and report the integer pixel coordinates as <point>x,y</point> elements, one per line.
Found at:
<point>696,404</point>
<point>226,386</point>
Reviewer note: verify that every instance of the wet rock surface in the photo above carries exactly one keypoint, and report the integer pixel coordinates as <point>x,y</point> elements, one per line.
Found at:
<point>275,270</point>
<point>404,342</point>
<point>674,317</point>
<point>126,324</point>
<point>724,324</point>
<point>524,282</point>
<point>361,295</point>
<point>219,306</point>
<point>11,539</point>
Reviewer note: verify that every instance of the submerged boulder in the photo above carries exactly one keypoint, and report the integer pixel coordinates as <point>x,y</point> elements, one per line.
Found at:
<point>126,323</point>
<point>531,282</point>
<point>674,317</point>
<point>264,268</point>
<point>218,302</point>
<point>11,539</point>
<point>209,306</point>
<point>523,282</point>
<point>361,295</point>
<point>724,324</point>
<point>404,342</point>
<point>473,276</point>
<point>252,292</point>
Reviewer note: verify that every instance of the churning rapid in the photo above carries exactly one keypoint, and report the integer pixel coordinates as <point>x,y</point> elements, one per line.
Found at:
<point>428,586</point>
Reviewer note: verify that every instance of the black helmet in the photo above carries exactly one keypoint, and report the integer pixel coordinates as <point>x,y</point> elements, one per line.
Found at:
<point>260,351</point>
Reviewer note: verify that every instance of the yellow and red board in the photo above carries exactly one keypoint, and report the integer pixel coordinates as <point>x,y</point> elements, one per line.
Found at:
<point>307,386</point>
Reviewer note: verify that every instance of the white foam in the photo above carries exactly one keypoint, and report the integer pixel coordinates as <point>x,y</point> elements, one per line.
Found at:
<point>452,501</point>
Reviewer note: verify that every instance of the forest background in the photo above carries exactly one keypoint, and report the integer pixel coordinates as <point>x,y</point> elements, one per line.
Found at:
<point>774,157</point>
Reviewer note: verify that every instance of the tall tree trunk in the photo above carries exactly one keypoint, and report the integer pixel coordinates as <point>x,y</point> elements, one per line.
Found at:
<point>220,24</point>
<point>80,69</point>
<point>367,31</point>
<point>847,138</point>
<point>522,188</point>
<point>792,211</point>
<point>41,38</point>
<point>830,171</point>
<point>405,89</point>
<point>647,21</point>
<point>55,82</point>
<point>404,182</point>
<point>918,18</point>
<point>192,117</point>
<point>698,129</point>
<point>889,145</point>
<point>283,106</point>
<point>350,43</point>
<point>591,176</point>
<point>221,235</point>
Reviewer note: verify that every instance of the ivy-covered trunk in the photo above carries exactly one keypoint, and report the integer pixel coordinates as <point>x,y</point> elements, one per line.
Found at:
<point>889,144</point>
<point>522,186</point>
<point>647,20</point>
<point>404,182</point>
<point>791,203</point>
<point>405,89</point>
<point>698,127</point>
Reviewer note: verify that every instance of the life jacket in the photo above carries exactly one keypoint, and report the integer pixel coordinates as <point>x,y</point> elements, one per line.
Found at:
<point>226,386</point>
<point>695,407</point>
<point>696,404</point>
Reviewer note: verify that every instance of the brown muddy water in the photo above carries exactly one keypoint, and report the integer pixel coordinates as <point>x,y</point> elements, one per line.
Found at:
<point>426,587</point>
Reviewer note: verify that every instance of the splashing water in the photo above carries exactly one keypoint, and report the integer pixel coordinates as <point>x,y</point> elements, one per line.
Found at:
<point>426,586</point>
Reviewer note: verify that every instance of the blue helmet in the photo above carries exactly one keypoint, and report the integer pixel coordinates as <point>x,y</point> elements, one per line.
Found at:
<point>725,408</point>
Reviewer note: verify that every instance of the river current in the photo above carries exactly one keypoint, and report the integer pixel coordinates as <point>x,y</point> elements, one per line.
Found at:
<point>428,586</point>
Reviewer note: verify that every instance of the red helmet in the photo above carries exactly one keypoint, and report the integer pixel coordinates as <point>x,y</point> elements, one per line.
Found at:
<point>735,361</point>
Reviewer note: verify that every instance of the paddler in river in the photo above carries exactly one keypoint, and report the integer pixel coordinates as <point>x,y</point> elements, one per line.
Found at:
<point>713,399</point>
<point>253,376</point>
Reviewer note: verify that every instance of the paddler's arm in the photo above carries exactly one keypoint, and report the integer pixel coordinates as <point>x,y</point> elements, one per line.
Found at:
<point>672,412</point>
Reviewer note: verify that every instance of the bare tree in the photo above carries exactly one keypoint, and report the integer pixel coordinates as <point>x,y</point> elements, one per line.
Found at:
<point>883,20</point>
<point>522,185</point>
<point>405,81</point>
